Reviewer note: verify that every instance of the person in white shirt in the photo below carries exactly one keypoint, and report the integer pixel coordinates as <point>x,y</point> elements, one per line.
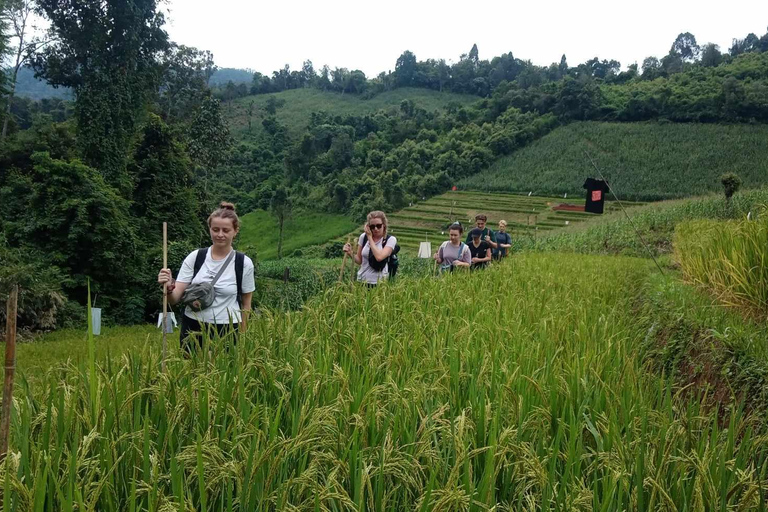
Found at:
<point>453,252</point>
<point>227,308</point>
<point>373,249</point>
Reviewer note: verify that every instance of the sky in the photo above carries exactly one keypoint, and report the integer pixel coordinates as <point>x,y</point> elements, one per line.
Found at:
<point>264,36</point>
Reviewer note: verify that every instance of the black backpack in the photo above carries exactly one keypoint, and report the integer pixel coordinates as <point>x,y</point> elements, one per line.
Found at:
<point>392,261</point>
<point>239,263</point>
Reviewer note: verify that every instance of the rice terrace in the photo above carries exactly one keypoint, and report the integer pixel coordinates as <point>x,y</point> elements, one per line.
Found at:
<point>479,284</point>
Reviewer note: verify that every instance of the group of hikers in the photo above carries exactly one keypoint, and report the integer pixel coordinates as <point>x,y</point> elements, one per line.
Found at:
<point>216,284</point>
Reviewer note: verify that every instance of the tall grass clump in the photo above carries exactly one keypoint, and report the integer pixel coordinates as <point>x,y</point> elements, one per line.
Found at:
<point>519,388</point>
<point>729,258</point>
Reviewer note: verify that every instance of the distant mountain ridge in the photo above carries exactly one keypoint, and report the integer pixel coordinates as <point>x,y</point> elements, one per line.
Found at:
<point>27,86</point>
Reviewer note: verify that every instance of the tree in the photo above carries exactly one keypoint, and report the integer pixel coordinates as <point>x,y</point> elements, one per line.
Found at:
<point>18,13</point>
<point>711,56</point>
<point>272,104</point>
<point>164,185</point>
<point>281,207</point>
<point>308,72</point>
<point>73,217</point>
<point>107,52</point>
<point>443,73</point>
<point>405,68</point>
<point>249,111</point>
<point>651,68</point>
<point>474,55</point>
<point>685,46</point>
<point>186,72</point>
<point>731,184</point>
<point>746,45</point>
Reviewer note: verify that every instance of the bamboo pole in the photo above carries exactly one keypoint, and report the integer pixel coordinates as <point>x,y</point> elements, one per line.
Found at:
<point>343,262</point>
<point>10,369</point>
<point>165,297</point>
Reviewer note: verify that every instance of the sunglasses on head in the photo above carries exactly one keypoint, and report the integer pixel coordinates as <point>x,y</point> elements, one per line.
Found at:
<point>376,226</point>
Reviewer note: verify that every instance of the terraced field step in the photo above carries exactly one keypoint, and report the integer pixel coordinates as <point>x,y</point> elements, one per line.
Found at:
<point>457,209</point>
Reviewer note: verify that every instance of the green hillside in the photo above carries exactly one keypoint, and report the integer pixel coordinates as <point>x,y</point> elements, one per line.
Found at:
<point>301,103</point>
<point>259,231</point>
<point>642,161</point>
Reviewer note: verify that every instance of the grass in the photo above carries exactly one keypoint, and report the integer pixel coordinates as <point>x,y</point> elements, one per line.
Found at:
<point>301,103</point>
<point>259,231</point>
<point>511,389</point>
<point>728,258</point>
<point>642,161</point>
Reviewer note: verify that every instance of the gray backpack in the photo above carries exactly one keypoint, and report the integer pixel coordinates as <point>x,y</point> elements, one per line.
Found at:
<point>199,296</point>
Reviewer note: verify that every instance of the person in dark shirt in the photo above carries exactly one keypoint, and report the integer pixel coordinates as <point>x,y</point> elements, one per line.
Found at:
<point>479,249</point>
<point>503,241</point>
<point>486,234</point>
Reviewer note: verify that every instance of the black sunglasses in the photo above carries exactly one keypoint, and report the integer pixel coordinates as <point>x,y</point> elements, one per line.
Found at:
<point>376,226</point>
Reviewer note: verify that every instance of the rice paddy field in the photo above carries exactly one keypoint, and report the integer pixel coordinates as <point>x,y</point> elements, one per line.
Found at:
<point>528,216</point>
<point>549,382</point>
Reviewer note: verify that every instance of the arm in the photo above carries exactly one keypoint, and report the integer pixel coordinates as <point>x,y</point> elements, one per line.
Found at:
<point>490,239</point>
<point>487,255</point>
<point>358,256</point>
<point>246,311</point>
<point>439,255</point>
<point>175,288</point>
<point>464,259</point>
<point>379,254</point>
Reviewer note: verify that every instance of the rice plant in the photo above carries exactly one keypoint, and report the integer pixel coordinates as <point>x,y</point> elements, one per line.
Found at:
<point>520,388</point>
<point>729,258</point>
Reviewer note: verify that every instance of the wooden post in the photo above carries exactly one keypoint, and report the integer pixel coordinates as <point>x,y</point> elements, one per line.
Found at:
<point>10,369</point>
<point>343,263</point>
<point>165,297</point>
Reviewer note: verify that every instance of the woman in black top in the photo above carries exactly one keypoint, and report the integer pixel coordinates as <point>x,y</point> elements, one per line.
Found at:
<point>480,249</point>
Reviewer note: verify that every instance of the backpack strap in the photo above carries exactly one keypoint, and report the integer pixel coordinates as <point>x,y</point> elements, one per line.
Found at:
<point>239,264</point>
<point>199,260</point>
<point>365,240</point>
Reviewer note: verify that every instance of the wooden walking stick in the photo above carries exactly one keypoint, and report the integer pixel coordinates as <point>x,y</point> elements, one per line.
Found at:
<point>10,369</point>
<point>343,262</point>
<point>165,296</point>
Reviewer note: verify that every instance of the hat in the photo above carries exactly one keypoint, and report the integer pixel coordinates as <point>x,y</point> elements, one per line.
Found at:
<point>475,232</point>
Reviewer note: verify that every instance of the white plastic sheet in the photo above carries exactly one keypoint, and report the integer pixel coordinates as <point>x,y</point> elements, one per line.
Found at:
<point>425,250</point>
<point>171,324</point>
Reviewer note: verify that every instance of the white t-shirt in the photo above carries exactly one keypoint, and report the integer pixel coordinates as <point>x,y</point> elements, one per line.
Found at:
<point>366,273</point>
<point>224,304</point>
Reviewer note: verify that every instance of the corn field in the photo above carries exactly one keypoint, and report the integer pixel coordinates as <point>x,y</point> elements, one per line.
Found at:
<point>641,161</point>
<point>520,388</point>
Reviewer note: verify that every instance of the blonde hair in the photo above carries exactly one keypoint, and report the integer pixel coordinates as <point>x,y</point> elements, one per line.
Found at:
<point>377,214</point>
<point>503,223</point>
<point>225,211</point>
